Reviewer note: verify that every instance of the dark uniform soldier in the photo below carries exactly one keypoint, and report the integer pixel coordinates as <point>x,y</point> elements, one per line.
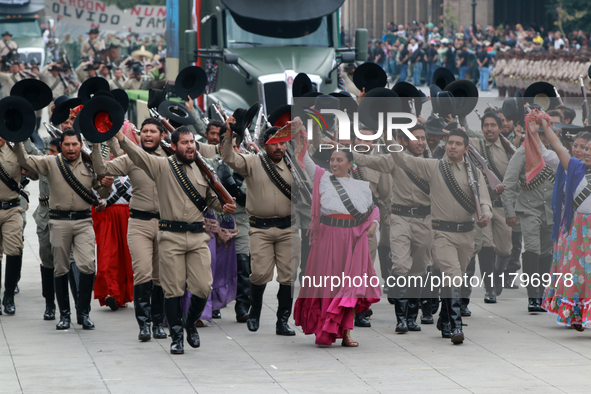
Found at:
<point>70,222</point>
<point>185,260</point>
<point>453,209</point>
<point>273,236</point>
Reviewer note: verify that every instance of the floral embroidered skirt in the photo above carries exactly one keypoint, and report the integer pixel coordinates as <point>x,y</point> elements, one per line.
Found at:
<point>569,294</point>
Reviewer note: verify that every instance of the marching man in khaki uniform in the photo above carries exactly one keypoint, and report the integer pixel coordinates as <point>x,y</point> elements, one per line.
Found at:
<point>92,45</point>
<point>452,208</point>
<point>11,222</point>
<point>71,186</point>
<point>273,235</point>
<point>8,48</point>
<point>135,79</point>
<point>496,248</point>
<point>411,237</point>
<point>142,235</point>
<point>185,259</point>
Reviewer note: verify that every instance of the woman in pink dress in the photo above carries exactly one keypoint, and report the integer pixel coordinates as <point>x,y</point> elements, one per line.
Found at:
<point>343,217</point>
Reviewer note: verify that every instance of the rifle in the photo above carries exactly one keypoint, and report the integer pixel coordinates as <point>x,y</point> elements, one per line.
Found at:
<point>301,184</point>
<point>490,176</point>
<point>209,173</point>
<point>585,104</point>
<point>474,186</point>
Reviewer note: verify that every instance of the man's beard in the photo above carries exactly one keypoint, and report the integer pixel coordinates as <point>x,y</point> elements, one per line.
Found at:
<point>184,159</point>
<point>151,148</point>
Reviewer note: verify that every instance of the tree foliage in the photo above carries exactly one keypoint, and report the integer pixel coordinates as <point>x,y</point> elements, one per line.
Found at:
<point>570,15</point>
<point>127,4</point>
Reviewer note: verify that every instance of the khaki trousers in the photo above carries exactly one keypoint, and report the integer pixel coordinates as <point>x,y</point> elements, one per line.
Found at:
<point>76,236</point>
<point>11,231</point>
<point>185,260</point>
<point>411,240</point>
<point>454,251</point>
<point>274,247</point>
<point>142,239</point>
<point>497,234</point>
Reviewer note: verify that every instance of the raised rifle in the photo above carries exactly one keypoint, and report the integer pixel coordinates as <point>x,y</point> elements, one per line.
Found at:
<point>301,184</point>
<point>474,186</point>
<point>490,176</point>
<point>209,173</point>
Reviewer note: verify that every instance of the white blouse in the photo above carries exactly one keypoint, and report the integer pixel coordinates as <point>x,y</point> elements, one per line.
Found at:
<point>330,202</point>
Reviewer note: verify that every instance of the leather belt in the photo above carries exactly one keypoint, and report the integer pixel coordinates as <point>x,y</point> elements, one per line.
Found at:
<point>452,227</point>
<point>142,215</point>
<point>414,212</point>
<point>44,201</point>
<point>343,223</point>
<point>181,227</point>
<point>10,204</point>
<point>497,203</point>
<point>69,215</point>
<point>265,223</point>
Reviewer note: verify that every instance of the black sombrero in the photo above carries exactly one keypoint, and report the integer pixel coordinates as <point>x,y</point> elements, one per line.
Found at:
<point>155,97</point>
<point>369,76</point>
<point>378,100</point>
<point>61,112</point>
<point>18,119</point>
<point>407,91</point>
<point>122,98</point>
<point>302,84</point>
<point>465,94</point>
<point>191,81</point>
<point>176,112</point>
<point>36,92</point>
<point>442,77</point>
<point>280,116</point>
<point>91,86</point>
<point>101,118</point>
<point>244,118</point>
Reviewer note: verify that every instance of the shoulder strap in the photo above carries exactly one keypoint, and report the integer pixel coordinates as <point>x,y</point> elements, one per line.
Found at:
<point>275,177</point>
<point>346,200</point>
<point>12,184</point>
<point>55,83</point>
<point>74,183</point>
<point>586,192</point>
<point>489,160</point>
<point>186,184</point>
<point>450,180</point>
<point>419,182</point>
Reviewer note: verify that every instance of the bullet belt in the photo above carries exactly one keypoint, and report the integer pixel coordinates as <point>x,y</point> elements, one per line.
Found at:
<point>452,227</point>
<point>10,204</point>
<point>181,227</point>
<point>343,223</point>
<point>265,223</point>
<point>44,201</point>
<point>414,212</point>
<point>142,215</point>
<point>69,215</point>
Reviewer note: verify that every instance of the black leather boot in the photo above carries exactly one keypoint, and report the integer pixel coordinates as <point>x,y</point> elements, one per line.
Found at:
<point>141,303</point>
<point>531,262</point>
<point>464,307</point>
<point>48,292</point>
<point>13,273</point>
<point>385,261</point>
<point>401,309</point>
<point>243,287</point>
<point>1,285</point>
<point>486,258</point>
<point>63,301</point>
<point>361,320</point>
<point>256,305</point>
<point>455,316</point>
<point>74,278</point>
<point>285,302</point>
<point>514,264</point>
<point>157,305</point>
<point>172,307</point>
<point>196,307</point>
<point>85,297</point>
<point>411,315</point>
<point>426,314</point>
<point>545,267</point>
<point>443,323</point>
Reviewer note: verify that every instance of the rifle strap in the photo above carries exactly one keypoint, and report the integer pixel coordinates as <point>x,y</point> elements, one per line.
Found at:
<point>489,160</point>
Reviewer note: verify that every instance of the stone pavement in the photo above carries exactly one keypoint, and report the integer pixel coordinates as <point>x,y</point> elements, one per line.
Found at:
<point>506,350</point>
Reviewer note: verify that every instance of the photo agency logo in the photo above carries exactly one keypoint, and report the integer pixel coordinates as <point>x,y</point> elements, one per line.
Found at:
<point>360,130</point>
